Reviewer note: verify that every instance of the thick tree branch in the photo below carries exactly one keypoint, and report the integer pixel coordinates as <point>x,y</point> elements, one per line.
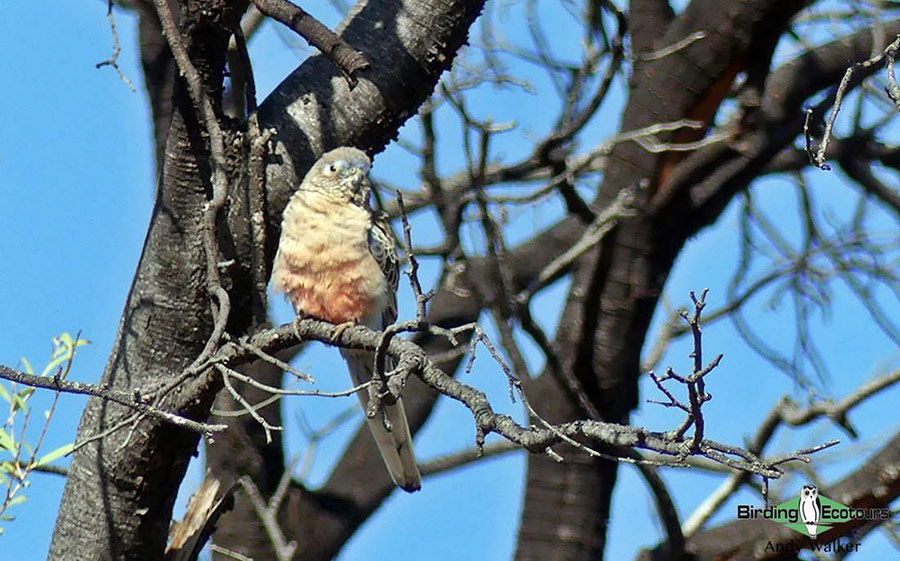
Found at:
<point>409,44</point>
<point>342,55</point>
<point>615,289</point>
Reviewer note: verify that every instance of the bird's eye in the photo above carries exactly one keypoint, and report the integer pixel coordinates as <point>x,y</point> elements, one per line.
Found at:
<point>332,168</point>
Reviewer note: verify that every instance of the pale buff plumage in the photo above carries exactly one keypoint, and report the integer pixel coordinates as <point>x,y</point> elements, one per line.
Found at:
<point>337,262</point>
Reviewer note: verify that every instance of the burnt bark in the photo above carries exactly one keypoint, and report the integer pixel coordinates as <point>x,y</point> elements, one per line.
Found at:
<point>129,479</point>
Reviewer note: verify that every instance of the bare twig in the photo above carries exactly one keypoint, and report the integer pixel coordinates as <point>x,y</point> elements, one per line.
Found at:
<point>275,361</point>
<point>227,373</point>
<point>605,221</point>
<point>885,56</point>
<point>465,457</point>
<point>788,413</point>
<point>113,60</point>
<point>258,141</point>
<point>671,49</point>
<point>228,553</point>
<point>133,400</point>
<point>665,506</point>
<point>284,550</point>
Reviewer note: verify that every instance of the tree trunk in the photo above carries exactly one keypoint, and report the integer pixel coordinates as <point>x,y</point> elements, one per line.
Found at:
<point>118,498</point>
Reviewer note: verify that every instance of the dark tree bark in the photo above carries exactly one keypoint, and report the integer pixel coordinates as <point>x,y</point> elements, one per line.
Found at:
<point>159,75</point>
<point>128,480</point>
<point>131,477</point>
<point>567,505</point>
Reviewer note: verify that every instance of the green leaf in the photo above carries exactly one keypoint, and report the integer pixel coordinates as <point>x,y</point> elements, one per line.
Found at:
<point>17,500</point>
<point>27,366</point>
<point>64,349</point>
<point>58,453</point>
<point>6,441</point>
<point>4,393</point>
<point>20,403</point>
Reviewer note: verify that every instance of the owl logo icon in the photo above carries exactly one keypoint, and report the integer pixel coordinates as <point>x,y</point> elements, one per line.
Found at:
<point>810,509</point>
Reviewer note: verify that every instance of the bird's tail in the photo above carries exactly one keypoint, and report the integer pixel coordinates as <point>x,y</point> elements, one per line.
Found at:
<point>395,445</point>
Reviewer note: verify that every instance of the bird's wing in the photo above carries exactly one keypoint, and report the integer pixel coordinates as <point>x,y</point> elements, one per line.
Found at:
<point>384,251</point>
<point>395,445</point>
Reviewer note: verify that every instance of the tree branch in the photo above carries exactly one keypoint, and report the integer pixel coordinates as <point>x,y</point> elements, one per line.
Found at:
<point>342,55</point>
<point>136,400</point>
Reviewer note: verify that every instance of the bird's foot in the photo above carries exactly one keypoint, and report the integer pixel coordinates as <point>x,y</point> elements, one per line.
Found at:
<point>339,330</point>
<point>296,327</point>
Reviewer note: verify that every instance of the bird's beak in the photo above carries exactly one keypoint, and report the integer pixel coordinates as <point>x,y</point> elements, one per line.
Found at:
<point>358,175</point>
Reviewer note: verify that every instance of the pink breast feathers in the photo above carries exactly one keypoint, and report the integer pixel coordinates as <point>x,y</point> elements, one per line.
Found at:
<point>343,292</point>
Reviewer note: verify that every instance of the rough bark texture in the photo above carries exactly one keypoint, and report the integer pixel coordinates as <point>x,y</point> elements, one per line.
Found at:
<point>167,319</point>
<point>567,506</point>
<point>159,75</point>
<point>128,480</point>
<point>313,110</point>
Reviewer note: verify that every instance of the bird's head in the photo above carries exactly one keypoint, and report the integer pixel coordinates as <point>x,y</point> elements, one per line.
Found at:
<point>341,174</point>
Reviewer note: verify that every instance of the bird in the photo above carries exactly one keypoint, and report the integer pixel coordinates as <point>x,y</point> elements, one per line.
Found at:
<point>810,509</point>
<point>337,261</point>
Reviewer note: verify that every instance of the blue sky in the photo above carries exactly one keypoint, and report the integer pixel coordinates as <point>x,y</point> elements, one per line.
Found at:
<point>76,184</point>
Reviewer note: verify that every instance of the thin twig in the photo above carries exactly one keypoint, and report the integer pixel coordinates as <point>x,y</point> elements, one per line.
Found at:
<point>284,550</point>
<point>884,56</point>
<point>671,49</point>
<point>227,373</point>
<point>412,360</point>
<point>113,60</point>
<point>132,400</point>
<point>605,221</point>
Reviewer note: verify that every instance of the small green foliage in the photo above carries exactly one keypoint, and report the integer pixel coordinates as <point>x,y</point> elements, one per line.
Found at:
<point>18,458</point>
<point>6,441</point>
<point>56,454</point>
